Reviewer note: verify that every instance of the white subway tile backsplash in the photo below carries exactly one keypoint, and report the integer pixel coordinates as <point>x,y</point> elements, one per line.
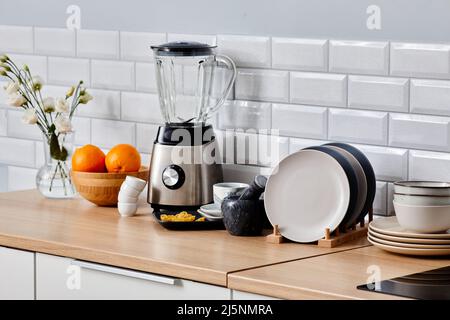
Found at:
<point>243,173</point>
<point>359,57</point>
<point>245,115</point>
<point>430,96</point>
<point>358,126</point>
<point>296,144</point>
<point>36,64</point>
<point>54,41</point>
<point>16,39</point>
<point>21,178</point>
<point>3,94</point>
<point>108,133</point>
<point>202,38</point>
<point>300,54</point>
<point>106,105</point>
<point>145,136</point>
<point>18,129</point>
<point>426,165</point>
<point>20,152</point>
<point>265,85</point>
<point>418,131</point>
<point>390,199</point>
<point>3,178</point>
<point>318,89</point>
<point>136,45</point>
<point>300,121</point>
<point>389,164</point>
<point>141,107</point>
<point>420,60</point>
<point>98,44</point>
<point>145,77</point>
<point>246,51</point>
<point>3,121</point>
<point>378,93</point>
<point>379,203</point>
<point>82,128</point>
<point>112,74</point>
<point>68,71</point>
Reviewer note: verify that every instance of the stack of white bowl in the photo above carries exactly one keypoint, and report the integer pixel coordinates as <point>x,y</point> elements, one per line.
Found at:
<point>422,206</point>
<point>129,193</point>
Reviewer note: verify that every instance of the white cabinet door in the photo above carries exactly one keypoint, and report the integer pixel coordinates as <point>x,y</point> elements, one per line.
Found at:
<point>64,278</point>
<point>242,295</point>
<point>16,274</point>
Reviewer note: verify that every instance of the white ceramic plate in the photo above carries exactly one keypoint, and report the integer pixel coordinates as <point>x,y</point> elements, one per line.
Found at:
<point>307,192</point>
<point>408,245</point>
<point>209,217</point>
<point>411,251</point>
<point>407,239</point>
<point>390,226</point>
<point>211,209</point>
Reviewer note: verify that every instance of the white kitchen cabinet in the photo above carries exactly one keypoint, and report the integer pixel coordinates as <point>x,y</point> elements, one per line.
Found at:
<point>242,295</point>
<point>16,274</point>
<point>64,278</point>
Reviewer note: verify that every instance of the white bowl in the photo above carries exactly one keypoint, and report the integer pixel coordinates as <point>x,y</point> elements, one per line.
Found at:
<point>433,188</point>
<point>224,189</point>
<point>127,209</point>
<point>419,200</point>
<point>423,219</point>
<point>123,197</point>
<point>125,189</point>
<point>136,183</point>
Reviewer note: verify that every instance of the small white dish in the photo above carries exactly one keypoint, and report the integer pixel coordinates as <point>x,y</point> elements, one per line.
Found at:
<point>129,191</point>
<point>224,189</point>
<point>127,209</point>
<point>423,219</point>
<point>390,226</point>
<point>211,209</point>
<point>123,197</point>
<point>421,200</point>
<point>209,217</point>
<point>433,188</point>
<point>136,183</point>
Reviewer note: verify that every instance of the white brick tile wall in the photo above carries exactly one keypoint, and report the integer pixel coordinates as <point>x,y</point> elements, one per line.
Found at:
<point>265,85</point>
<point>108,133</point>
<point>358,126</point>
<point>420,60</point>
<point>246,51</point>
<point>18,129</point>
<point>145,136</point>
<point>112,74</point>
<point>296,144</point>
<point>390,198</point>
<point>430,96</point>
<point>16,39</point>
<point>141,107</point>
<point>145,77</point>
<point>380,203</point>
<point>135,46</point>
<point>3,121</point>
<point>3,178</point>
<point>418,131</point>
<point>378,93</point>
<point>98,44</point>
<point>243,173</point>
<point>300,121</point>
<point>202,38</point>
<point>68,71</point>
<point>21,178</point>
<point>82,127</point>
<point>20,152</point>
<point>39,152</point>
<point>245,115</point>
<point>3,95</point>
<point>36,64</point>
<point>426,165</point>
<point>106,105</point>
<point>53,41</point>
<point>359,57</point>
<point>300,54</point>
<point>318,89</point>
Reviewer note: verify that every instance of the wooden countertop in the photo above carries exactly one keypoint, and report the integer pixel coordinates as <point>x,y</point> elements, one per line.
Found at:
<point>77,229</point>
<point>333,276</point>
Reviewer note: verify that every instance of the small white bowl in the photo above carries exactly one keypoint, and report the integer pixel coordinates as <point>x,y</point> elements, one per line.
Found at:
<point>423,219</point>
<point>224,189</point>
<point>127,209</point>
<point>429,188</point>
<point>419,200</point>
<point>136,183</point>
<point>125,189</point>
<point>123,197</point>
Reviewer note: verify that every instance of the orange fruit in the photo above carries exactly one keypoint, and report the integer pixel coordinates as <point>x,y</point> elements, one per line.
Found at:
<point>123,158</point>
<point>88,158</point>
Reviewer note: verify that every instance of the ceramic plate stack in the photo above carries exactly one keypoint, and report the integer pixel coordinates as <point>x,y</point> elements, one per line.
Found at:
<point>387,234</point>
<point>330,186</point>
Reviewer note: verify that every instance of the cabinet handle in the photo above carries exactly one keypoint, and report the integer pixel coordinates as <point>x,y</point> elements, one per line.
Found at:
<point>124,272</point>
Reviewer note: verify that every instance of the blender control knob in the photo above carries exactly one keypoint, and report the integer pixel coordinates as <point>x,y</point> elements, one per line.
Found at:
<point>173,177</point>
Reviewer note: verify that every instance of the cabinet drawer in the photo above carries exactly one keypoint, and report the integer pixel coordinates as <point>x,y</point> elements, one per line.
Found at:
<point>242,295</point>
<point>16,274</point>
<point>64,278</point>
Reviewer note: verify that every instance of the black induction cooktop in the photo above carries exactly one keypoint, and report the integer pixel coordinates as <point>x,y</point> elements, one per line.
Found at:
<point>428,285</point>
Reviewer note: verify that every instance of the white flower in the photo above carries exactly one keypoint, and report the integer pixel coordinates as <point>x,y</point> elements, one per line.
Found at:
<point>16,100</point>
<point>85,98</point>
<point>11,87</point>
<point>49,104</point>
<point>62,105</point>
<point>70,91</point>
<point>37,83</point>
<point>29,116</point>
<point>63,124</point>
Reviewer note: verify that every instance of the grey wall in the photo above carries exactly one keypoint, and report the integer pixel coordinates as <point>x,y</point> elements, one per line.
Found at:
<point>405,20</point>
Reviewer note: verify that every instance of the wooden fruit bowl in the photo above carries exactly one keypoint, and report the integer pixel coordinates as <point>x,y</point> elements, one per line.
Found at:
<point>103,188</point>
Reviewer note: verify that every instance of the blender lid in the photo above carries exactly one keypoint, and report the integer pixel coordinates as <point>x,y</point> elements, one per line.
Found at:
<point>184,48</point>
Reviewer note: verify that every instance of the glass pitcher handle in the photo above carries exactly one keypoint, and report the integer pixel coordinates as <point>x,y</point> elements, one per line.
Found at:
<point>231,66</point>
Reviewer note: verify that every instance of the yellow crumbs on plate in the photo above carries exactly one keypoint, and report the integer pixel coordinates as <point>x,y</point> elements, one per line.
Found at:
<point>183,216</point>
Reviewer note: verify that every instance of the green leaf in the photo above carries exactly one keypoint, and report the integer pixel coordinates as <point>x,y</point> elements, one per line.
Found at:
<point>56,151</point>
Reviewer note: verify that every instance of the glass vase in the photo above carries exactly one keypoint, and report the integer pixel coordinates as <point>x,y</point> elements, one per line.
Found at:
<point>53,178</point>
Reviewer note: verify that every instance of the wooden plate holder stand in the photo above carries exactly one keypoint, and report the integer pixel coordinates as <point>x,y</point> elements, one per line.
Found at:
<point>331,239</point>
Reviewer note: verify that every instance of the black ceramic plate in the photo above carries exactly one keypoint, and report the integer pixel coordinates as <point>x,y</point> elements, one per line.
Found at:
<point>352,180</point>
<point>201,225</point>
<point>368,170</point>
